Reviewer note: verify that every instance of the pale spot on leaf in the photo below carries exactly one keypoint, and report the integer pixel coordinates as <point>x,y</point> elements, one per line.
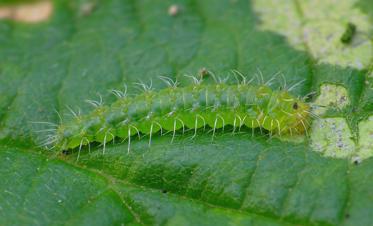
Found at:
<point>173,10</point>
<point>365,148</point>
<point>331,96</point>
<point>29,13</point>
<point>332,137</point>
<point>320,31</point>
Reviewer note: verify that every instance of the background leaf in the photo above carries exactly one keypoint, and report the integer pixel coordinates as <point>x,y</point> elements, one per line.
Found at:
<point>235,179</point>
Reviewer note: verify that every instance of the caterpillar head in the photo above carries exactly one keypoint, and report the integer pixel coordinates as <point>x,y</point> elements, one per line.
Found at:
<point>295,114</point>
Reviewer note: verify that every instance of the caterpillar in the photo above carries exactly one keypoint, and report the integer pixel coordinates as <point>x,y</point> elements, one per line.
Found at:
<point>174,108</point>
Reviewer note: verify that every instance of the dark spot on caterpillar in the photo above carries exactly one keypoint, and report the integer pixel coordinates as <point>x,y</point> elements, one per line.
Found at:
<point>203,72</point>
<point>357,162</point>
<point>295,106</point>
<point>164,191</point>
<point>347,215</point>
<point>349,33</point>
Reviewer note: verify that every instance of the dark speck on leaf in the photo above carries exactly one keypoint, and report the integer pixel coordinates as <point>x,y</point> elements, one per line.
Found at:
<point>203,72</point>
<point>349,33</point>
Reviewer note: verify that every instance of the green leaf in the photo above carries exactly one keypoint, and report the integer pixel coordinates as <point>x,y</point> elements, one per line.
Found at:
<point>90,46</point>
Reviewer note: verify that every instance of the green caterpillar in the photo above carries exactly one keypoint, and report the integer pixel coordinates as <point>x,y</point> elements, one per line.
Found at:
<point>193,107</point>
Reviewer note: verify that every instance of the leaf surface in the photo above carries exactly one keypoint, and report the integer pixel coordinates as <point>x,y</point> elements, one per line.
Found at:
<point>91,47</point>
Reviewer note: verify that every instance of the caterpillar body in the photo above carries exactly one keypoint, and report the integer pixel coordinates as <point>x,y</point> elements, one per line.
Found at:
<point>175,108</point>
